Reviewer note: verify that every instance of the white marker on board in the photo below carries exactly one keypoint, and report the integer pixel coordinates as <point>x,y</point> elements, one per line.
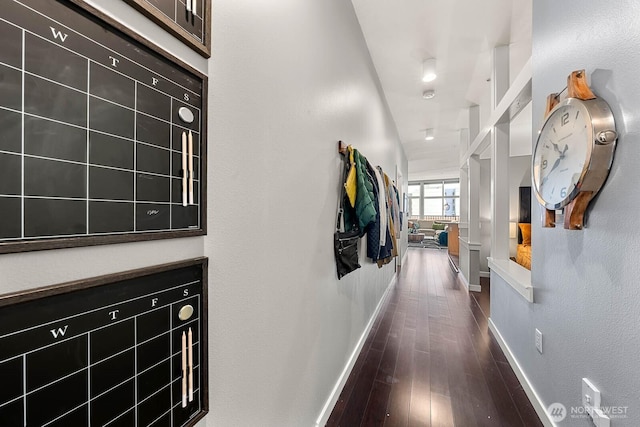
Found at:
<point>188,4</point>
<point>184,169</point>
<point>184,370</point>
<point>193,9</point>
<point>190,168</point>
<point>190,366</point>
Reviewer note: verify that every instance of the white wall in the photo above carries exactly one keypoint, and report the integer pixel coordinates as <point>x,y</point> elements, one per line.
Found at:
<point>287,80</point>
<point>585,282</point>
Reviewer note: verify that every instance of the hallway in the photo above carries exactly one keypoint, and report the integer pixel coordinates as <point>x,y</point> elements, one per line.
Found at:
<point>430,359</point>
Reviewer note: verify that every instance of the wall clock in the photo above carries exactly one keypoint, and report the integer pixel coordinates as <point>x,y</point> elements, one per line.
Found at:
<point>574,151</point>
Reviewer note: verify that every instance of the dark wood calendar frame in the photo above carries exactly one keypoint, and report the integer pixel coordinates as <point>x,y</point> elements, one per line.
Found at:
<point>151,12</point>
<point>24,303</point>
<point>43,242</point>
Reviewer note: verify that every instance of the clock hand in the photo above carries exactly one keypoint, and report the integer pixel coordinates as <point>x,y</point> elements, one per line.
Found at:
<point>565,137</point>
<point>555,147</point>
<point>555,165</point>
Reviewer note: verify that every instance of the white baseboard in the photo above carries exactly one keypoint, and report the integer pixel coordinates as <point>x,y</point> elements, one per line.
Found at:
<point>472,288</point>
<point>486,274</point>
<point>342,379</point>
<point>464,281</point>
<point>524,381</point>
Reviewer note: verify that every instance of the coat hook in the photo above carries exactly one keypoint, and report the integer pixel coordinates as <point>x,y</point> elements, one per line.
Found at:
<point>342,147</point>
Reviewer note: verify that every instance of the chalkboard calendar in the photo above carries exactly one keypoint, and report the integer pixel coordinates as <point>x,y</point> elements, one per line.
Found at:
<point>102,139</point>
<point>189,20</point>
<point>121,350</point>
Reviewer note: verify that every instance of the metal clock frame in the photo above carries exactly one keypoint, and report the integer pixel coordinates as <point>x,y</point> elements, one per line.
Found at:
<point>600,148</point>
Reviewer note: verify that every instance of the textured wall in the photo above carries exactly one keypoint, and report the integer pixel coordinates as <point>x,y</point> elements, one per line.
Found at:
<point>585,282</point>
<point>287,80</point>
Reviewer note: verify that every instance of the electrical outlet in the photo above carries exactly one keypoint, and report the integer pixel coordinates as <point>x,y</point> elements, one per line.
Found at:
<point>539,340</point>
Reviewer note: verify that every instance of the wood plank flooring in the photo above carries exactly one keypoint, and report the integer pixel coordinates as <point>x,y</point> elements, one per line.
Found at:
<point>430,359</point>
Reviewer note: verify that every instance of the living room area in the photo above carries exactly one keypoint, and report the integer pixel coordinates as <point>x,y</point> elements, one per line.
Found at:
<point>423,231</point>
<point>434,212</point>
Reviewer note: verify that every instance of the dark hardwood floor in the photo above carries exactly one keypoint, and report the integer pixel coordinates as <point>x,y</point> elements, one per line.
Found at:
<point>430,359</point>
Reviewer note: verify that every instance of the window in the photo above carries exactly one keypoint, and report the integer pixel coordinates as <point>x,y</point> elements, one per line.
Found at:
<point>434,198</point>
<point>432,190</point>
<point>414,207</point>
<point>451,199</point>
<point>433,206</point>
<point>414,200</point>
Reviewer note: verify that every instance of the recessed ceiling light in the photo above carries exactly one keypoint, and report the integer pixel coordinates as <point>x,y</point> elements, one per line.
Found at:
<point>429,70</point>
<point>428,135</point>
<point>428,94</point>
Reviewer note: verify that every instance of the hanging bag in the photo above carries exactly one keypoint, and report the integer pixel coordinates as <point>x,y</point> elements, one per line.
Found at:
<point>345,243</point>
<point>346,251</point>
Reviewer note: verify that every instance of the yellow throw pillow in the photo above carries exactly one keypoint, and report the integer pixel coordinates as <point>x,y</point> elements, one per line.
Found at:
<point>525,229</point>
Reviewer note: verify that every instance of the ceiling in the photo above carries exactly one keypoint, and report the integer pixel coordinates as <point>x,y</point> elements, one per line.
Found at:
<point>461,35</point>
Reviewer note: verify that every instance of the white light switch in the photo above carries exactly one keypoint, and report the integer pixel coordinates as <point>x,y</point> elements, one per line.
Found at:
<point>539,341</point>
<point>590,396</point>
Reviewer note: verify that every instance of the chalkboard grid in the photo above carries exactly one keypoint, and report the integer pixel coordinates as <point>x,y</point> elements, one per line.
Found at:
<point>90,139</point>
<point>116,364</point>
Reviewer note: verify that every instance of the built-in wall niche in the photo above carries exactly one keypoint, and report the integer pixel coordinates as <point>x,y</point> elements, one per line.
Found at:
<point>519,178</point>
<point>520,147</point>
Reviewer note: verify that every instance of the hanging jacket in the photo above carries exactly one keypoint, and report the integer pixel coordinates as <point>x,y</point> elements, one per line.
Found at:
<point>392,228</point>
<point>351,184</point>
<point>349,217</point>
<point>395,197</point>
<point>382,207</point>
<point>388,249</point>
<point>373,232</point>
<point>365,198</point>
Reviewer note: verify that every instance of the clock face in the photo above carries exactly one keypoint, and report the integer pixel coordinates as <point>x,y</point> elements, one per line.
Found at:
<point>561,153</point>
